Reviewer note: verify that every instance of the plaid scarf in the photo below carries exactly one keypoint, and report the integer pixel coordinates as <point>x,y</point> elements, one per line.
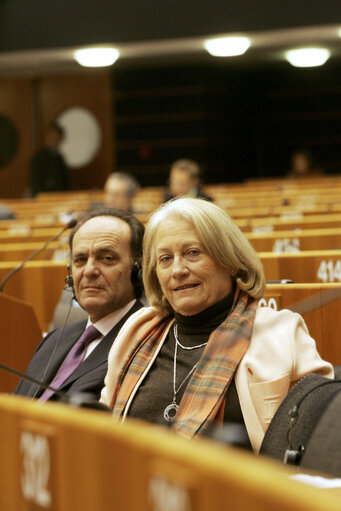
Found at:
<point>204,398</point>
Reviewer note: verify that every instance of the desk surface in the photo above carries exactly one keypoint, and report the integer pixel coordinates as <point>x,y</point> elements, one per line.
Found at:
<point>75,459</point>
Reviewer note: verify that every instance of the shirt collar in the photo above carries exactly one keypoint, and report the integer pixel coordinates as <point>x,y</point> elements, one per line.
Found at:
<point>104,325</point>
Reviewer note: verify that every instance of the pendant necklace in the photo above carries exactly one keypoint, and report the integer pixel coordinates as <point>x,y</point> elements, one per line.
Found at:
<point>171,410</point>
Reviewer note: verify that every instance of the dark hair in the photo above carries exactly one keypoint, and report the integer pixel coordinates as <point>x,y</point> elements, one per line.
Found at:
<point>136,229</point>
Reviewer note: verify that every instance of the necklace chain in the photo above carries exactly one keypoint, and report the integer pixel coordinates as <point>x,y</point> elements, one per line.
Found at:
<point>171,410</point>
<point>175,331</point>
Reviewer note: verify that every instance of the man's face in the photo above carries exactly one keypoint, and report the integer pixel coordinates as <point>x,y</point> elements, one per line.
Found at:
<point>101,266</point>
<point>116,196</point>
<point>180,182</point>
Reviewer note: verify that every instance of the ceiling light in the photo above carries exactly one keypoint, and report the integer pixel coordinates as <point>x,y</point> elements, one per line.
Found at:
<point>96,57</point>
<point>227,46</point>
<point>308,57</point>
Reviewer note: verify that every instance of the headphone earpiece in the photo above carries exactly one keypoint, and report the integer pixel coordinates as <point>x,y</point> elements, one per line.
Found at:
<point>136,274</point>
<point>69,282</point>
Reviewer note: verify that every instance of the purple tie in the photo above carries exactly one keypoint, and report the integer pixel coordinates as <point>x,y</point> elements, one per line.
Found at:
<point>71,361</point>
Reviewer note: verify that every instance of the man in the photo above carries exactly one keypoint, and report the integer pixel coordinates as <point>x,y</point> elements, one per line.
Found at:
<point>106,251</point>
<point>48,169</point>
<point>119,191</point>
<point>184,179</point>
<point>6,213</point>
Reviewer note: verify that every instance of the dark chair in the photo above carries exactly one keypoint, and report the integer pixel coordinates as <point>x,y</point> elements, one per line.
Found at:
<point>306,416</point>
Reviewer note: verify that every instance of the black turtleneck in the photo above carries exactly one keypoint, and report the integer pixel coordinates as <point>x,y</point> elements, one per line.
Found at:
<point>156,391</point>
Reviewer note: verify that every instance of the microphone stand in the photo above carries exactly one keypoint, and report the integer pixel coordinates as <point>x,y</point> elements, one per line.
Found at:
<point>71,224</point>
<point>77,399</point>
<point>61,394</point>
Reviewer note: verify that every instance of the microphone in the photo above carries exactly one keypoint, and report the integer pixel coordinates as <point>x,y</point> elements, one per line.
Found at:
<point>69,225</point>
<point>33,380</point>
<point>78,399</point>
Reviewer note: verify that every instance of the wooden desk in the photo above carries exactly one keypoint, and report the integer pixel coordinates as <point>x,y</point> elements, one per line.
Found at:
<point>296,240</point>
<point>54,457</point>
<point>307,266</point>
<point>41,235</point>
<point>39,283</point>
<point>19,251</point>
<point>320,306</point>
<point>274,223</point>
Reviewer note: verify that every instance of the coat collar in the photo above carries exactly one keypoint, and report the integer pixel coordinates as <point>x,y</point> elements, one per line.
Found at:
<point>99,355</point>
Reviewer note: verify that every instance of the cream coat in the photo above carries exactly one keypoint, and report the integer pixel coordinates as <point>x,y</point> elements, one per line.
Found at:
<point>281,352</point>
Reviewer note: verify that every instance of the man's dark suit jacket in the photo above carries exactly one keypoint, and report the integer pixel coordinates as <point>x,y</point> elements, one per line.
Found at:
<point>89,375</point>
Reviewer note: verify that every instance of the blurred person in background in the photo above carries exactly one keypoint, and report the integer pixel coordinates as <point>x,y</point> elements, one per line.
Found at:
<point>184,179</point>
<point>119,191</point>
<point>303,164</point>
<point>6,213</point>
<point>49,172</point>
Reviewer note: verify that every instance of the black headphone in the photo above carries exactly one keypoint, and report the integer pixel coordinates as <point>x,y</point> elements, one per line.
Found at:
<point>68,279</point>
<point>293,456</point>
<point>136,273</point>
<point>135,277</point>
<point>69,282</point>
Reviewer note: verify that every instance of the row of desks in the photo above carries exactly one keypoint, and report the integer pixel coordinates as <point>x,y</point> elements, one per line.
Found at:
<point>322,194</point>
<point>41,282</point>
<point>54,457</point>
<point>48,226</point>
<point>16,245</point>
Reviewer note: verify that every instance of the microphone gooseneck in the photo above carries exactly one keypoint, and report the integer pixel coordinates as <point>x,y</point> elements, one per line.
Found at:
<point>77,399</point>
<point>70,225</point>
<point>33,380</point>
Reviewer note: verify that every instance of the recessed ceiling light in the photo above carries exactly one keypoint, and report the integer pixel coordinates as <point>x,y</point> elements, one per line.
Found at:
<point>96,57</point>
<point>227,46</point>
<point>308,57</point>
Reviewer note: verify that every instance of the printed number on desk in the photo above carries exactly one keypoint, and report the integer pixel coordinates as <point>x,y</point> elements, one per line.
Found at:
<point>329,271</point>
<point>268,302</point>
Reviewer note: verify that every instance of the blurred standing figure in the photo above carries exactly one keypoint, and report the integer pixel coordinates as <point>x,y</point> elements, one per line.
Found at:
<point>49,172</point>
<point>303,164</point>
<point>119,191</point>
<point>184,179</point>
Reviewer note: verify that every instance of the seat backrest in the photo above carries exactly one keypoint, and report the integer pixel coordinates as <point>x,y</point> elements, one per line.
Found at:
<point>323,450</point>
<point>311,396</point>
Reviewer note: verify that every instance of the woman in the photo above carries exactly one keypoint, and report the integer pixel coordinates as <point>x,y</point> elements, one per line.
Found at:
<point>203,352</point>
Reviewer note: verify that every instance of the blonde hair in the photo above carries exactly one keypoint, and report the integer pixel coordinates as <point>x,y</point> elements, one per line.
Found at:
<point>220,237</point>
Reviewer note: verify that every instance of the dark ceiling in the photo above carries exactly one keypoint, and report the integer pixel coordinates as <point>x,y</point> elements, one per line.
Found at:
<point>33,24</point>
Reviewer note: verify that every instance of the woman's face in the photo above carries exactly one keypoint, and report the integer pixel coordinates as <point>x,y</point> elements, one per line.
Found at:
<point>188,276</point>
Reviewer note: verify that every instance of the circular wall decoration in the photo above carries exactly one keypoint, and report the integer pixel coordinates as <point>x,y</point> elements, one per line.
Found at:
<point>82,136</point>
<point>8,140</point>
